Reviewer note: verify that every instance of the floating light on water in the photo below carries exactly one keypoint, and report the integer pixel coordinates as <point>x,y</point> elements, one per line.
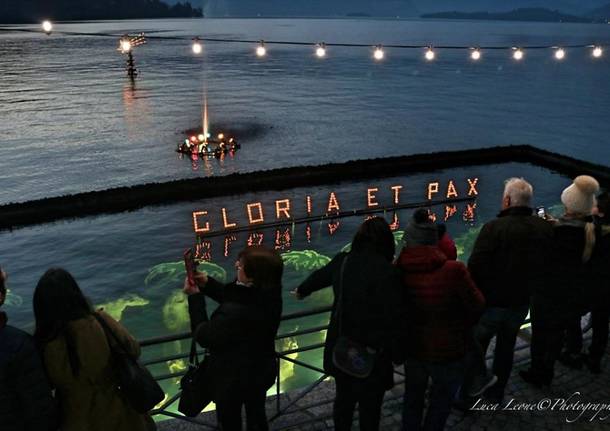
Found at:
<point>221,136</point>
<point>378,54</point>
<point>47,27</point>
<point>197,46</point>
<point>560,54</point>
<point>125,45</point>
<point>430,54</point>
<point>597,52</point>
<point>518,54</point>
<point>261,51</point>
<point>475,54</point>
<point>321,50</point>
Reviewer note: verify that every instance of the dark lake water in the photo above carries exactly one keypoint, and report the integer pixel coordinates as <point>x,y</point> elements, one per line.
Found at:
<point>70,121</point>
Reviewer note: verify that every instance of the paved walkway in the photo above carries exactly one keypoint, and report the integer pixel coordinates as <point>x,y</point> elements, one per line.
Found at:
<point>544,408</point>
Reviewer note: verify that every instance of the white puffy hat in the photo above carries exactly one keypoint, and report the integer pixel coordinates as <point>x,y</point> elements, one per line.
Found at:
<point>579,197</point>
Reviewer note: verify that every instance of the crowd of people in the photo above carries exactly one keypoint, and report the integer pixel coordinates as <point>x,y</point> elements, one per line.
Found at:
<point>422,309</point>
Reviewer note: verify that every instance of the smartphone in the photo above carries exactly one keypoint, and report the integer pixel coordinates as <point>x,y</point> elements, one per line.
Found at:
<point>190,265</point>
<point>541,212</point>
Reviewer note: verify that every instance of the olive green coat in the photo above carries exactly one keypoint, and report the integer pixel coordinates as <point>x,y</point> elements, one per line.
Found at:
<point>92,401</point>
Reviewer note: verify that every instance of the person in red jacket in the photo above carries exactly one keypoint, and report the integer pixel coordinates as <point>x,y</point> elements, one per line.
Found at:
<point>442,306</point>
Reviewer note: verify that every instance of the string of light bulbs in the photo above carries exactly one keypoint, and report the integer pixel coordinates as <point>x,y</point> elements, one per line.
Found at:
<point>320,49</point>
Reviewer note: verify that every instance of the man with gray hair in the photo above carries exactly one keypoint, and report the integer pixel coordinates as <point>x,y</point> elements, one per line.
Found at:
<point>507,261</point>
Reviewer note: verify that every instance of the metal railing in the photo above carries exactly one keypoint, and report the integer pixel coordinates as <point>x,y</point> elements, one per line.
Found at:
<point>281,356</point>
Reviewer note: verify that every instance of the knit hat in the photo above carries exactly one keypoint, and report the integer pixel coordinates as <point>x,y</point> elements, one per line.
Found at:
<point>579,197</point>
<point>420,234</point>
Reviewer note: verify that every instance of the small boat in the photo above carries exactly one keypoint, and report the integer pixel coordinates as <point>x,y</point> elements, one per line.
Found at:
<point>208,147</point>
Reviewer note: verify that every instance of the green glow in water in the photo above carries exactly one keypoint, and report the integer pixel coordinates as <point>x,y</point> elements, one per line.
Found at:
<point>305,260</point>
<point>117,307</point>
<point>13,300</point>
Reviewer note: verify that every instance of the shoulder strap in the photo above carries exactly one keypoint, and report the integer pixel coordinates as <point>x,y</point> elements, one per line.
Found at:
<point>340,298</point>
<point>110,334</point>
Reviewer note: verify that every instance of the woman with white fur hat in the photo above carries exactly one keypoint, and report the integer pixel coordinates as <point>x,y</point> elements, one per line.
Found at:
<point>558,303</point>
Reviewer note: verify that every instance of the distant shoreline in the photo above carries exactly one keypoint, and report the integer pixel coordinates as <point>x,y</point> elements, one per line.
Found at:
<point>524,15</point>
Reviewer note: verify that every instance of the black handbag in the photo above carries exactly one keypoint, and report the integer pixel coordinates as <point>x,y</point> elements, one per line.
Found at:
<point>349,356</point>
<point>136,383</point>
<point>196,394</point>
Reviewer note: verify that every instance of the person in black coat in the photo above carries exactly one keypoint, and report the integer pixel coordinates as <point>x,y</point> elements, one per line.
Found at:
<point>370,291</point>
<point>559,302</point>
<point>240,335</point>
<point>26,403</point>
<point>599,293</point>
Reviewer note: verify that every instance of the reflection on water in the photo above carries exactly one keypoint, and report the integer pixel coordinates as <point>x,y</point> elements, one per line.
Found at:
<point>136,112</point>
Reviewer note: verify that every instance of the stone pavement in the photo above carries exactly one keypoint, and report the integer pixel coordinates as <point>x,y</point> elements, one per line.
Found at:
<point>544,409</point>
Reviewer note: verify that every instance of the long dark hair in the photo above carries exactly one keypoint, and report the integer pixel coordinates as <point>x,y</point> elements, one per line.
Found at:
<point>375,234</point>
<point>264,266</point>
<point>57,301</point>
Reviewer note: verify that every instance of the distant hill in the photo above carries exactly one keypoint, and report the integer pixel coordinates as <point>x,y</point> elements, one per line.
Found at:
<point>601,13</point>
<point>524,14</point>
<point>26,11</point>
<point>309,8</point>
<point>572,7</point>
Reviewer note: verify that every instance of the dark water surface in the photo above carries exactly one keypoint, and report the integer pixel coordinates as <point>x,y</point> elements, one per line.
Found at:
<point>70,120</point>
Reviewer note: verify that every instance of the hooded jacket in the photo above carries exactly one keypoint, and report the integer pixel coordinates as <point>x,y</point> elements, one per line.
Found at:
<point>91,400</point>
<point>443,303</point>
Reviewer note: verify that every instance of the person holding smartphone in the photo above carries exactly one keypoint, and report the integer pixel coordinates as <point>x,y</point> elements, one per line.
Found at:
<point>240,335</point>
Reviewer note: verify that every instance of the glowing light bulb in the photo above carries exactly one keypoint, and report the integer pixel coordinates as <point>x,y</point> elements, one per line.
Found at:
<point>597,52</point>
<point>518,54</point>
<point>378,54</point>
<point>47,27</point>
<point>321,50</point>
<point>221,136</point>
<point>430,54</point>
<point>560,54</point>
<point>197,46</point>
<point>475,54</point>
<point>261,51</point>
<point>125,45</point>
<point>201,137</point>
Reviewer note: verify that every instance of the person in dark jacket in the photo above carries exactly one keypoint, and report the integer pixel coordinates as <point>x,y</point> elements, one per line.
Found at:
<point>240,335</point>
<point>506,263</point>
<point>26,402</point>
<point>443,305</point>
<point>369,313</point>
<point>559,302</point>
<point>599,299</point>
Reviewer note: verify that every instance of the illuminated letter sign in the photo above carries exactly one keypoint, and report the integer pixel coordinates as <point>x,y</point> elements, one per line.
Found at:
<point>451,191</point>
<point>259,207</point>
<point>432,188</point>
<point>282,206</point>
<point>473,187</point>
<point>333,204</point>
<point>370,197</point>
<point>396,192</point>
<point>308,205</point>
<point>206,227</point>
<point>226,223</point>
